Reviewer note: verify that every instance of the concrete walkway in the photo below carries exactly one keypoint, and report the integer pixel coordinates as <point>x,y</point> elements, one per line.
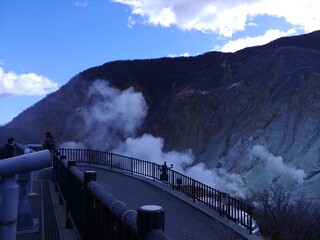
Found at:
<point>184,219</point>
<point>48,214</point>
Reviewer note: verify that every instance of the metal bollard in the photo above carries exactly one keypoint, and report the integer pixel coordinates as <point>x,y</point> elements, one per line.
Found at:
<point>30,185</point>
<point>25,220</point>
<point>149,218</point>
<point>71,163</point>
<point>88,176</point>
<point>9,194</point>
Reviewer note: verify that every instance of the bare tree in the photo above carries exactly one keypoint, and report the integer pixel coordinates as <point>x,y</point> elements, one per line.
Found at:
<point>280,215</point>
<point>303,220</point>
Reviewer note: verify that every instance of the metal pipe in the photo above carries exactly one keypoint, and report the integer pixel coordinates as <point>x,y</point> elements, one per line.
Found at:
<point>25,163</point>
<point>9,190</point>
<point>25,149</point>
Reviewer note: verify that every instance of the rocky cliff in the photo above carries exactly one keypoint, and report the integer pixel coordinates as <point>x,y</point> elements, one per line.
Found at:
<point>253,113</point>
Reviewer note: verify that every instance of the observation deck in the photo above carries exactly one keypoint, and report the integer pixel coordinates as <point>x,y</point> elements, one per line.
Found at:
<point>120,187</point>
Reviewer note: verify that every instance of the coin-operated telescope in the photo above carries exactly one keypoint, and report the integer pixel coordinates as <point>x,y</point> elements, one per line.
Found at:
<point>9,189</point>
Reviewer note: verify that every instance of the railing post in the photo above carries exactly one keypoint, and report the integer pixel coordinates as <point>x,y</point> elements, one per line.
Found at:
<point>229,206</point>
<point>149,218</point>
<point>250,216</point>
<point>56,172</point>
<point>62,157</point>
<point>68,202</point>
<point>90,156</point>
<point>154,171</point>
<point>220,204</point>
<point>87,177</point>
<point>54,165</point>
<point>172,179</point>
<point>194,190</point>
<point>131,165</point>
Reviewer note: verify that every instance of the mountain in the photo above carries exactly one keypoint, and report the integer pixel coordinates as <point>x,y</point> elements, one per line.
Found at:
<point>254,112</point>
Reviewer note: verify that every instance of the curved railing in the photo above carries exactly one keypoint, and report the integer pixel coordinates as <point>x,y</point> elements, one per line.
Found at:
<point>221,202</point>
<point>94,213</point>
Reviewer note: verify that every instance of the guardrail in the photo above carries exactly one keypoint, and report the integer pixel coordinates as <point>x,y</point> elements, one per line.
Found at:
<point>95,214</point>
<point>227,206</point>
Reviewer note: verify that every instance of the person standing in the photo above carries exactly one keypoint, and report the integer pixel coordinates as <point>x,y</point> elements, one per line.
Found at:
<point>49,142</point>
<point>9,148</point>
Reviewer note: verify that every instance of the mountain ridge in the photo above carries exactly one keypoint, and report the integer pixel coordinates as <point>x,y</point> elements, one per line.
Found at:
<point>220,105</point>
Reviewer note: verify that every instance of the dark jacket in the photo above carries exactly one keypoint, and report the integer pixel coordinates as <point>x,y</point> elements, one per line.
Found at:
<point>49,144</point>
<point>9,150</point>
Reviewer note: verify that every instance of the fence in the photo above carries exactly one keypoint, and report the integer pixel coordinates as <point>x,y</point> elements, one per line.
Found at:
<point>221,202</point>
<point>94,213</point>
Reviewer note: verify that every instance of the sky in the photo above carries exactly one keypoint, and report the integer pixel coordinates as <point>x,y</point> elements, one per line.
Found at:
<point>43,44</point>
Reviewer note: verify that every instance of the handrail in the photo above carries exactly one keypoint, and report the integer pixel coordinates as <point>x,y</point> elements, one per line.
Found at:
<point>91,210</point>
<point>227,206</point>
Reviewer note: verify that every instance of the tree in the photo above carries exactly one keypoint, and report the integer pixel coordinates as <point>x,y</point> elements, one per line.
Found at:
<point>280,215</point>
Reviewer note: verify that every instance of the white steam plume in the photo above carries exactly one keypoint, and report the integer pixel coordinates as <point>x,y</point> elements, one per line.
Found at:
<point>150,148</point>
<point>72,145</point>
<point>275,164</point>
<point>111,115</point>
<point>111,119</point>
<point>217,178</point>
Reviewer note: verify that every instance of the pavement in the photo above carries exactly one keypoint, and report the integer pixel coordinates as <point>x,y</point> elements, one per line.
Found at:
<point>47,213</point>
<point>35,203</point>
<point>184,219</point>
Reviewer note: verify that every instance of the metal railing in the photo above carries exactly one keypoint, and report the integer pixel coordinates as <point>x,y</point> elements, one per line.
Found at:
<point>91,210</point>
<point>227,206</point>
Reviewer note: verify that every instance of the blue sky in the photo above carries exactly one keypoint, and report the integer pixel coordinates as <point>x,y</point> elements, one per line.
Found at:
<point>45,43</point>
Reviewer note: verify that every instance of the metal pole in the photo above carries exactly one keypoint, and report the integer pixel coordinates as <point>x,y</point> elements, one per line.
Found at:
<point>68,197</point>
<point>149,218</point>
<point>9,194</point>
<point>25,220</point>
<point>87,177</point>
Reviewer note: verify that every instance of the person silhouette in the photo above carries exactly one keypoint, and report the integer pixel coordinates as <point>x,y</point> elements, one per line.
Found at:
<point>49,142</point>
<point>9,148</point>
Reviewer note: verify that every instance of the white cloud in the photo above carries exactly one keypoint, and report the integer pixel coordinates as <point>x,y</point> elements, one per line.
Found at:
<point>270,35</point>
<point>300,13</point>
<point>29,84</point>
<point>82,3</point>
<point>221,16</point>
<point>186,54</point>
<point>2,62</point>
